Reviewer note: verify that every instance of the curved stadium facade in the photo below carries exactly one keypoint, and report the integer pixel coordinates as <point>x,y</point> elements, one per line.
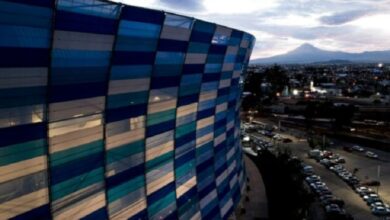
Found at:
<point>113,111</point>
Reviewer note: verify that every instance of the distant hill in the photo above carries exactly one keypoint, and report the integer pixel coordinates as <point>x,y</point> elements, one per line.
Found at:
<point>307,53</point>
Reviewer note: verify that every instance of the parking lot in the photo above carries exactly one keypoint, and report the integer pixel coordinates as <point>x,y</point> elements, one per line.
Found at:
<point>367,170</point>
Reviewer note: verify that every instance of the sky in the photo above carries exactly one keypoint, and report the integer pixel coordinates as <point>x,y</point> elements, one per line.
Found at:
<point>282,25</point>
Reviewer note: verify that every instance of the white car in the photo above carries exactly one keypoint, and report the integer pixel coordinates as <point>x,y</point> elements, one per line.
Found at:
<point>372,155</point>
<point>368,196</point>
<point>362,190</point>
<point>380,204</point>
<point>357,148</point>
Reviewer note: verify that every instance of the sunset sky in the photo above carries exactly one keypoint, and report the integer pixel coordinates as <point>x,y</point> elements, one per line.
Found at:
<point>282,25</point>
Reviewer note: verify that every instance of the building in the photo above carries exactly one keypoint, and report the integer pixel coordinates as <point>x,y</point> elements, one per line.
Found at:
<point>113,111</point>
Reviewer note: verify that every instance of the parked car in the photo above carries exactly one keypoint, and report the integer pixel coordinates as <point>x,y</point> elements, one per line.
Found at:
<point>332,208</point>
<point>379,210</point>
<point>337,168</point>
<point>372,198</point>
<point>371,154</point>
<point>307,170</point>
<point>363,190</point>
<point>312,178</point>
<point>357,148</point>
<point>339,160</point>
<point>347,148</point>
<point>375,204</point>
<point>338,202</point>
<point>314,153</point>
<point>353,181</point>
<point>325,198</point>
<point>287,140</point>
<point>318,185</point>
<point>327,154</point>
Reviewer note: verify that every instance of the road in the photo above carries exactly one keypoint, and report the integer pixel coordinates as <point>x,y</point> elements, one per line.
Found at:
<point>368,167</point>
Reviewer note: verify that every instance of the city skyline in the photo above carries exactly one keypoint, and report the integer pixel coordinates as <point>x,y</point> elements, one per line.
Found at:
<point>281,25</point>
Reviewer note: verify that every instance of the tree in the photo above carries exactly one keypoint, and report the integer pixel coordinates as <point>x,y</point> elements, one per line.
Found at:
<point>252,83</point>
<point>277,77</point>
<point>343,115</point>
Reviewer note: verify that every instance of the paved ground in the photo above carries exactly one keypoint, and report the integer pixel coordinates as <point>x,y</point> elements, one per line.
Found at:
<point>353,203</point>
<point>367,170</point>
<point>257,206</point>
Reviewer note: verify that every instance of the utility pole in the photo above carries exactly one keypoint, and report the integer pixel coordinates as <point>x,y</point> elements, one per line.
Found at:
<point>378,176</point>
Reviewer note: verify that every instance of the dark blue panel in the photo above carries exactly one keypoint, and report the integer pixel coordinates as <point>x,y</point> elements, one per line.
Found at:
<point>185,139</point>
<point>98,214</point>
<point>41,213</point>
<point>202,37</point>
<point>24,57</point>
<point>22,133</point>
<point>220,147</point>
<point>224,91</point>
<point>193,68</point>
<point>230,132</point>
<point>125,112</point>
<point>172,45</point>
<point>211,77</point>
<point>182,200</point>
<point>142,15</point>
<point>223,189</point>
<point>217,49</point>
<point>204,165</point>
<point>126,175</point>
<point>207,189</point>
<point>41,3</point>
<point>231,104</point>
<point>185,158</point>
<point>213,214</point>
<point>236,196</point>
<point>76,167</point>
<point>240,58</point>
<point>75,74</point>
<point>219,124</point>
<point>128,57</point>
<point>70,21</point>
<point>161,193</point>
<point>205,113</point>
<point>234,81</point>
<point>220,169</point>
<point>236,34</point>
<point>160,128</point>
<point>164,82</point>
<point>171,216</point>
<point>185,100</point>
<point>60,93</point>
<point>141,215</point>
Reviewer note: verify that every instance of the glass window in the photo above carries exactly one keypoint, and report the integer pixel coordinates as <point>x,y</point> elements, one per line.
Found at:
<point>178,21</point>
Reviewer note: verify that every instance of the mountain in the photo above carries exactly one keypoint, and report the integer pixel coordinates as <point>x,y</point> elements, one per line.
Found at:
<point>307,53</point>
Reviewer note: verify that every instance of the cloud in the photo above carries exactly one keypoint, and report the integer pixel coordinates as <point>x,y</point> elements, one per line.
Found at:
<point>282,25</point>
<point>345,17</point>
<point>188,5</point>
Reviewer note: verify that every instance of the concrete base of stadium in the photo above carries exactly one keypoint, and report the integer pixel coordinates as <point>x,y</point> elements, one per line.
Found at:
<point>253,204</point>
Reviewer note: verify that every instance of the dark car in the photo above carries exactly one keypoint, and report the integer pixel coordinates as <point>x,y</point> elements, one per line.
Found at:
<point>287,140</point>
<point>338,202</point>
<point>348,149</point>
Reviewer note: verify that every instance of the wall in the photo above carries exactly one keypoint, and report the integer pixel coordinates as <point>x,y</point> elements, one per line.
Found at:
<point>114,111</point>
